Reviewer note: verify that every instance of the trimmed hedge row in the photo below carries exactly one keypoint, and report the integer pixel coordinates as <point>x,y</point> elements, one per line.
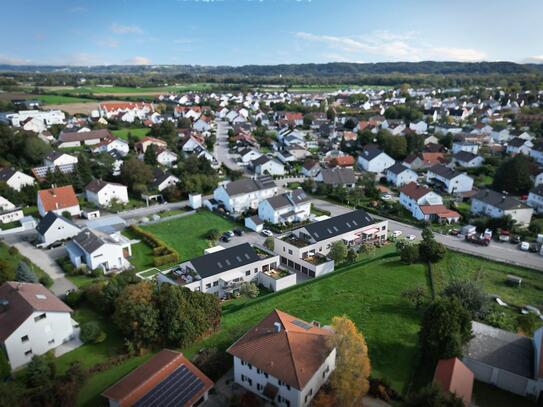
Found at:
<point>162,252</point>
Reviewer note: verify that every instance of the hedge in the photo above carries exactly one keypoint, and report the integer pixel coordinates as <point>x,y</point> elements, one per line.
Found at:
<point>162,252</point>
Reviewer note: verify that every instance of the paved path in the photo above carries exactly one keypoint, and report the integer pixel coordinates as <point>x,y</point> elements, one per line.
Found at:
<point>46,261</point>
<point>220,150</point>
<point>502,252</point>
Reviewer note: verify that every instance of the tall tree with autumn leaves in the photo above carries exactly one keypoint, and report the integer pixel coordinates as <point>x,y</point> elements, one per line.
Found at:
<point>350,379</point>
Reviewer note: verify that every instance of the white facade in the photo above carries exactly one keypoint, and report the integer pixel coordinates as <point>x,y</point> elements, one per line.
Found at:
<point>457,184</point>
<point>413,205</point>
<point>38,334</point>
<point>19,180</point>
<point>270,167</point>
<point>59,230</point>
<point>377,164</point>
<point>285,214</point>
<point>241,202</point>
<point>64,159</point>
<point>467,147</point>
<point>405,177</point>
<point>522,216</point>
<point>166,158</point>
<point>49,117</point>
<point>108,194</point>
<point>535,200</point>
<point>255,380</point>
<point>109,256</point>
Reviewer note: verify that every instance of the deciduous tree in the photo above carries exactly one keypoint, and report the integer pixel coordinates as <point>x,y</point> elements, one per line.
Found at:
<point>338,252</point>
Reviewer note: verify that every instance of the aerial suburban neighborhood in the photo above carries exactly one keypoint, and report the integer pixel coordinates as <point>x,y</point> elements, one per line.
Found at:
<point>229,229</point>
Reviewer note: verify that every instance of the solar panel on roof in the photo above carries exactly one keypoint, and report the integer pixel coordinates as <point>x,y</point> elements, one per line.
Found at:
<point>329,230</point>
<point>219,264</point>
<point>238,259</point>
<point>302,324</point>
<point>175,390</point>
<point>246,256</point>
<point>228,262</point>
<point>336,229</point>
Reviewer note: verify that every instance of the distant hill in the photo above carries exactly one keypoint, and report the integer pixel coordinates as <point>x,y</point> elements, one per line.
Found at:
<point>328,69</point>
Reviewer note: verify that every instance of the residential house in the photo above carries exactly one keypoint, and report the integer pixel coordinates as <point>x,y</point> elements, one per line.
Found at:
<point>399,175</point>
<point>519,146</point>
<point>166,157</point>
<point>163,179</point>
<point>292,206</point>
<point>465,146</point>
<point>68,139</point>
<point>491,203</point>
<point>254,223</point>
<point>222,271</point>
<point>311,168</point>
<point>451,181</point>
<point>202,125</point>
<point>375,160</point>
<point>110,144</point>
<point>267,166</point>
<point>424,160</point>
<point>9,212</point>
<point>345,161</point>
<point>444,129</point>
<point>58,158</point>
<point>100,250</point>
<point>45,118</point>
<point>246,193</point>
<point>58,200</point>
<point>168,378</point>
<point>125,111</point>
<point>420,127</point>
<point>33,321</point>
<point>336,177</point>
<point>305,249</point>
<point>142,145</point>
<point>537,153</point>
<point>53,228</point>
<point>452,376</point>
<point>103,193</point>
<point>466,159</point>
<point>535,199</point>
<point>413,196</point>
<point>261,367</point>
<point>15,179</point>
<point>247,155</point>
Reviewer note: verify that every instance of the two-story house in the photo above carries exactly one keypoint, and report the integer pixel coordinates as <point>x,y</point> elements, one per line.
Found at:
<point>467,159</point>
<point>449,180</point>
<point>535,199</point>
<point>375,160</point>
<point>293,206</point>
<point>103,193</point>
<point>53,228</point>
<point>399,174</point>
<point>15,179</point>
<point>414,196</point>
<point>491,203</point>
<point>246,193</point>
<point>58,200</point>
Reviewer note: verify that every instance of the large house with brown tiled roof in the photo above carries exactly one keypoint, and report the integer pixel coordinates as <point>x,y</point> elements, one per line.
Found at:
<point>33,321</point>
<point>284,359</point>
<point>58,200</point>
<point>167,379</point>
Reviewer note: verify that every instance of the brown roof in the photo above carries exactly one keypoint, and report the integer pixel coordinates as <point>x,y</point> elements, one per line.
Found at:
<point>454,377</point>
<point>113,106</point>
<point>58,198</point>
<point>344,161</point>
<point>440,210</point>
<point>414,190</point>
<point>84,135</point>
<point>293,354</point>
<point>135,385</point>
<point>24,299</point>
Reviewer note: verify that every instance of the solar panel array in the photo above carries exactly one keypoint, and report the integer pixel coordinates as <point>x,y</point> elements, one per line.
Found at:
<point>41,172</point>
<point>175,390</point>
<point>302,324</point>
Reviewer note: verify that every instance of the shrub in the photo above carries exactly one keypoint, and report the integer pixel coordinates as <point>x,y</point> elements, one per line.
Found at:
<point>162,253</point>
<point>13,251</point>
<point>67,266</point>
<point>46,280</point>
<point>74,298</point>
<point>97,273</point>
<point>249,290</point>
<point>91,332</point>
<point>213,234</point>
<point>25,274</point>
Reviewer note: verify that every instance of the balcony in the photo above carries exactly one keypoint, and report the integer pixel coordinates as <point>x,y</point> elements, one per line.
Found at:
<point>295,241</point>
<point>276,274</point>
<point>316,259</point>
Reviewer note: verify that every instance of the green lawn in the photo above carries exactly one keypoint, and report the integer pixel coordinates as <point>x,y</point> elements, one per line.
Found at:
<point>123,133</point>
<point>60,100</point>
<point>186,235</point>
<point>11,261</point>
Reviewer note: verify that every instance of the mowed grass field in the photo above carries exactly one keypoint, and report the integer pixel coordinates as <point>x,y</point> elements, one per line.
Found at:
<point>61,100</point>
<point>123,90</point>
<point>123,133</point>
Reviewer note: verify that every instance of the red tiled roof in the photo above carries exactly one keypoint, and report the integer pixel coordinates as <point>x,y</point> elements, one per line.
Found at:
<point>440,210</point>
<point>131,388</point>
<point>414,190</point>
<point>114,106</point>
<point>58,198</point>
<point>344,161</point>
<point>454,377</point>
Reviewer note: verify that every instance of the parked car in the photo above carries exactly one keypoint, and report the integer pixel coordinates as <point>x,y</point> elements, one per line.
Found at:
<point>229,233</point>
<point>515,239</point>
<point>225,238</point>
<point>411,237</point>
<point>397,233</point>
<point>386,197</point>
<point>238,232</point>
<point>454,232</point>
<point>267,232</point>
<point>524,246</point>
<point>534,248</point>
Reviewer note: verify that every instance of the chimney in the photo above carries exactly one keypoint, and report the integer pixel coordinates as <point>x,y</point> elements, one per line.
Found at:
<point>4,305</point>
<point>316,324</point>
<point>277,327</point>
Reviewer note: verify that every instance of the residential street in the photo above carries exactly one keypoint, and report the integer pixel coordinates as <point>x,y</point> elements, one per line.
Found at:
<point>220,150</point>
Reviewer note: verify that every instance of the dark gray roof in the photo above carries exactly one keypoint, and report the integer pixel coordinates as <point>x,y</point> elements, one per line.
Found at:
<point>247,185</point>
<point>338,176</point>
<point>53,155</point>
<point>338,225</point>
<point>445,172</point>
<point>498,200</point>
<point>538,190</point>
<point>48,221</point>
<point>260,160</point>
<point>516,142</point>
<point>370,152</point>
<point>159,177</point>
<point>295,197</point>
<point>465,156</point>
<point>398,168</point>
<point>7,173</point>
<point>227,259</point>
<point>96,185</point>
<point>89,240</point>
<point>501,349</point>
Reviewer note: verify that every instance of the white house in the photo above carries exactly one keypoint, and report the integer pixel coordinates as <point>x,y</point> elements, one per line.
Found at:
<point>53,228</point>
<point>9,212</point>
<point>97,249</point>
<point>222,271</point>
<point>201,125</point>
<point>535,199</point>
<point>293,206</point>
<point>413,196</point>
<point>166,157</point>
<point>58,200</point>
<point>262,367</point>
<point>465,146</point>
<point>374,160</point>
<point>48,118</point>
<point>15,179</point>
<point>491,203</point>
<point>104,193</point>
<point>450,180</point>
<point>267,166</point>
<point>311,168</point>
<point>163,180</point>
<point>110,144</point>
<point>126,111</point>
<point>537,153</point>
<point>465,159</point>
<point>243,194</point>
<point>519,146</point>
<point>33,321</point>
<point>420,127</point>
<point>399,175</point>
<point>247,155</point>
<point>337,176</point>
<point>58,158</point>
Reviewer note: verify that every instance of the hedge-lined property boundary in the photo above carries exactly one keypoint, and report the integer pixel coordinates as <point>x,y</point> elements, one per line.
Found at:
<point>162,252</point>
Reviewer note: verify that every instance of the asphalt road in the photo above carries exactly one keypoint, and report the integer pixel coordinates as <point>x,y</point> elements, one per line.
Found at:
<point>220,150</point>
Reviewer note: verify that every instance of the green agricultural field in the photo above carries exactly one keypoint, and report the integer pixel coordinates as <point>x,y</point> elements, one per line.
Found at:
<point>123,133</point>
<point>106,90</point>
<point>60,100</point>
<point>187,234</point>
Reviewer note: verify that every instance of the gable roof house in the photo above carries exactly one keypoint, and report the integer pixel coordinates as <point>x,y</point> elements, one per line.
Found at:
<point>452,376</point>
<point>53,228</point>
<point>58,200</point>
<point>141,146</point>
<point>87,138</point>
<point>491,203</point>
<point>337,176</point>
<point>112,144</point>
<point>103,193</point>
<point>519,146</point>
<point>33,321</point>
<point>293,206</point>
<point>284,359</point>
<point>399,175</point>
<point>537,153</point>
<point>418,199</point>
<point>166,157</point>
<point>163,179</point>
<point>125,111</point>
<point>535,198</point>
<point>311,168</point>
<point>97,249</point>
<point>247,155</point>
<point>375,160</point>
<point>466,159</point>
<point>451,181</point>
<point>264,165</point>
<point>9,212</point>
<point>15,179</point>
<point>168,378</point>
<point>246,193</point>
<point>58,158</point>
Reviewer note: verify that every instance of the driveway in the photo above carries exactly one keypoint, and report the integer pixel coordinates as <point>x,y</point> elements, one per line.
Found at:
<point>220,150</point>
<point>46,260</point>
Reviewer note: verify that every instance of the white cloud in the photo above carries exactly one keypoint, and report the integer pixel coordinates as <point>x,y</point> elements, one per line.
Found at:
<point>384,45</point>
<point>536,59</point>
<point>107,43</point>
<point>125,29</point>
<point>137,60</point>
<point>9,60</point>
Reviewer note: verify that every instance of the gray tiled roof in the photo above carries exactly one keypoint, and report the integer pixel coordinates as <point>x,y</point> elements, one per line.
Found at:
<point>224,260</point>
<point>248,185</point>
<point>498,200</point>
<point>338,225</point>
<point>338,176</point>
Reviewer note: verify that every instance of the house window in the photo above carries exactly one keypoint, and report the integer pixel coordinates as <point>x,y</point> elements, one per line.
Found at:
<point>243,363</point>
<point>208,285</point>
<point>289,251</point>
<point>266,375</point>
<point>40,317</point>
<point>28,352</point>
<point>52,341</point>
<point>243,377</point>
<point>215,283</point>
<point>284,249</point>
<point>250,366</point>
<point>248,273</point>
<point>24,338</point>
<point>283,260</point>
<point>259,371</point>
<point>256,270</point>
<point>288,386</point>
<point>259,387</point>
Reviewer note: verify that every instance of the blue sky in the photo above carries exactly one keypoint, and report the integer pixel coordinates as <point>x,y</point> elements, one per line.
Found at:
<point>239,32</point>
